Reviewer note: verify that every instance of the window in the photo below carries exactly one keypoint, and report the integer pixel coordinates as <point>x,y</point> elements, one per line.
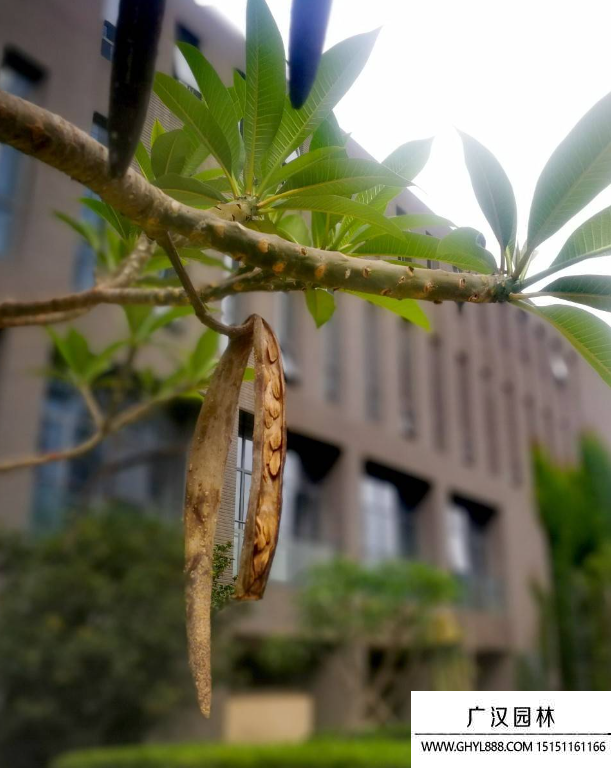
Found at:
<point>437,393</point>
<point>389,507</point>
<point>181,69</point>
<point>242,487</point>
<point>373,395</point>
<point>85,260</point>
<point>21,77</point>
<point>465,411</point>
<point>407,398</point>
<point>333,358</point>
<point>470,551</point>
<point>109,35</point>
<point>304,527</point>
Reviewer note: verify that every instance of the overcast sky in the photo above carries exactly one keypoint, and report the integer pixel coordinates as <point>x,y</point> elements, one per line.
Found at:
<point>516,75</point>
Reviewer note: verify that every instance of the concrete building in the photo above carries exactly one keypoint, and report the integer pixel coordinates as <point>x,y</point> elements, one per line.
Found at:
<point>402,443</point>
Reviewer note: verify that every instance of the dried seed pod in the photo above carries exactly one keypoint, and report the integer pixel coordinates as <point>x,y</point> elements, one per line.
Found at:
<point>269,453</point>
<point>206,470</point>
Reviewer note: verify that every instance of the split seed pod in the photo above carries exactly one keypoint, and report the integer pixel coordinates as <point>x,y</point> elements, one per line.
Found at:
<point>269,454</point>
<point>206,469</point>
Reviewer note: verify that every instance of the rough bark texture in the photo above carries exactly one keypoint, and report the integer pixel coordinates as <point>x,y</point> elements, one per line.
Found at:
<point>205,475</point>
<point>269,454</point>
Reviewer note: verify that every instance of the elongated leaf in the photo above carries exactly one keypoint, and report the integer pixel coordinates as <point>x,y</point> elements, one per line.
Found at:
<point>339,68</point>
<point>328,134</point>
<point>239,93</point>
<point>119,223</point>
<point>592,238</point>
<point>409,309</point>
<point>293,227</point>
<point>190,191</point>
<point>579,168</point>
<point>195,114</point>
<point>492,189</point>
<point>342,206</point>
<point>169,152</point>
<point>590,335</point>
<point>461,249</point>
<point>155,321</point>
<point>411,246</point>
<point>591,290</point>
<point>156,131</point>
<point>407,161</point>
<point>102,361</point>
<point>299,164</point>
<point>202,357</point>
<point>144,161</point>
<point>196,155</point>
<point>320,304</point>
<point>265,85</point>
<point>74,349</point>
<point>217,99</point>
<point>338,176</point>
<point>88,232</point>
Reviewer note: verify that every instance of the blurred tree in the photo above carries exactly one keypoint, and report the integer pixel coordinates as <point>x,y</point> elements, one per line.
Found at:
<point>575,512</point>
<point>91,634</point>
<point>400,607</point>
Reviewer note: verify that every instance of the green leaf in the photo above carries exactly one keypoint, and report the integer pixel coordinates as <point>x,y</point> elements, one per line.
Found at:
<point>411,246</point>
<point>492,189</point>
<point>190,191</point>
<point>170,152</point>
<point>121,224</point>
<point>293,227</point>
<point>342,206</point>
<point>577,171</point>
<point>265,85</point>
<point>299,164</point>
<point>144,161</point>
<point>338,69</point>
<point>83,228</point>
<point>101,362</point>
<point>156,131</point>
<point>590,335</point>
<point>461,249</point>
<point>339,176</point>
<point>409,309</point>
<point>239,93</point>
<point>195,254</point>
<point>591,290</point>
<point>196,156</point>
<point>217,98</point>
<point>320,304</point>
<point>592,238</point>
<point>329,134</point>
<point>74,350</point>
<point>202,357</point>
<point>195,114</point>
<point>157,320</point>
<point>249,374</point>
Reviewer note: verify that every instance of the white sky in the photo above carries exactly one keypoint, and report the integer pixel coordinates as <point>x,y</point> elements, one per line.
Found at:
<point>515,75</point>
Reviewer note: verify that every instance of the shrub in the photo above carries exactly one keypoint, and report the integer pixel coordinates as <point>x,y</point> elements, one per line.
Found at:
<point>322,753</point>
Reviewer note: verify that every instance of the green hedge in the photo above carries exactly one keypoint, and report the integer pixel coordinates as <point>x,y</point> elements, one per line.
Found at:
<point>315,754</point>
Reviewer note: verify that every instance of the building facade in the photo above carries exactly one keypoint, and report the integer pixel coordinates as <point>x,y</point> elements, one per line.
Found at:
<point>401,443</point>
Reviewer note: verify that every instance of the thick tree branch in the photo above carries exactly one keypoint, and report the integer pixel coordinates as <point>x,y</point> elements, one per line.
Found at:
<point>56,142</point>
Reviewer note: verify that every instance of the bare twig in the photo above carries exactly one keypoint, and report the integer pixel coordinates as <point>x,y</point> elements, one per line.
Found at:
<point>200,310</point>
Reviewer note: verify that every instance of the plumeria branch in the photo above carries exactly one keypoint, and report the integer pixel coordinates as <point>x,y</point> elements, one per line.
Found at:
<point>61,145</point>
